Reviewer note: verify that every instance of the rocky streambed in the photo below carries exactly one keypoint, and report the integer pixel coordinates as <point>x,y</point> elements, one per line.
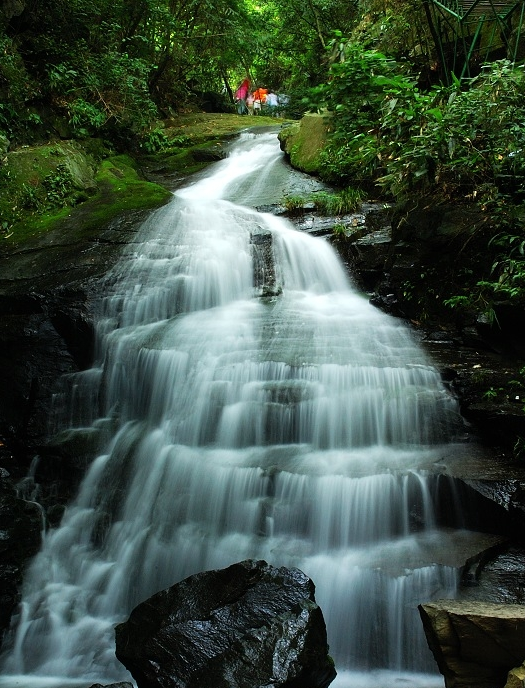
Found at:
<point>48,292</point>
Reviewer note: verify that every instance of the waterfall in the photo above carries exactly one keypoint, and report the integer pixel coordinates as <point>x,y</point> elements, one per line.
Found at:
<point>294,425</point>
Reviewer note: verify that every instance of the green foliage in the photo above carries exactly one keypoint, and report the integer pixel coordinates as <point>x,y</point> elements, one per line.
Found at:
<point>340,229</point>
<point>373,108</point>
<point>106,91</point>
<point>292,203</point>
<point>17,89</point>
<point>56,190</point>
<point>86,118</point>
<point>508,268</point>
<point>340,203</point>
<point>447,141</point>
<point>337,203</point>
<point>504,282</point>
<point>492,393</point>
<point>58,187</point>
<point>154,141</point>
<point>290,40</point>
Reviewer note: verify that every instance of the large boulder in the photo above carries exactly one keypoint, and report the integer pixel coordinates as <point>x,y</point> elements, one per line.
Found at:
<point>249,625</point>
<point>475,644</point>
<point>303,141</point>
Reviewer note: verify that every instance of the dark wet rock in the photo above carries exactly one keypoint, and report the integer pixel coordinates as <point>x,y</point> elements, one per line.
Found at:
<point>120,684</point>
<point>249,625</point>
<point>20,537</point>
<point>475,644</point>
<point>500,580</point>
<point>264,275</point>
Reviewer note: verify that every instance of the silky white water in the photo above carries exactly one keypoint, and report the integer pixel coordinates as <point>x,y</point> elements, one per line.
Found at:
<point>233,425</point>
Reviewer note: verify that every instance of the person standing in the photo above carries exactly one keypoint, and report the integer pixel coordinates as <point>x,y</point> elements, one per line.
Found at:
<point>249,103</point>
<point>259,99</point>
<point>240,97</point>
<point>272,101</point>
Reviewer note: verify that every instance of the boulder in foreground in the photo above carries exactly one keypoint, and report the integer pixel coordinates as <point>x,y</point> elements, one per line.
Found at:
<point>475,644</point>
<point>247,626</point>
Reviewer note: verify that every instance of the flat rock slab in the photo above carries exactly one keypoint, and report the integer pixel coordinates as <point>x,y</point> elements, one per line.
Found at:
<point>247,626</point>
<point>475,644</point>
<point>465,550</point>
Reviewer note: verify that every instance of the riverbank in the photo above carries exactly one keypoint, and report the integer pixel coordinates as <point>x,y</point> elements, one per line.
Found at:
<point>86,183</point>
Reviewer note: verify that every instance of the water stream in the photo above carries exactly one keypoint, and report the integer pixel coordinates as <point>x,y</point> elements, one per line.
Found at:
<point>288,424</point>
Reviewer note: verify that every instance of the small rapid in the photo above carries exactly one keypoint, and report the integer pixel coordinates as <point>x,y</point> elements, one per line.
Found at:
<point>295,426</point>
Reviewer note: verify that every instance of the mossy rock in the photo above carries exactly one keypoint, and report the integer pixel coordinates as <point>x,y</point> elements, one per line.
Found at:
<point>35,178</point>
<point>303,141</point>
<point>90,195</point>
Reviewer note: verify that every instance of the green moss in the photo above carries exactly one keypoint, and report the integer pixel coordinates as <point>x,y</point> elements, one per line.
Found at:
<point>201,127</point>
<point>173,162</point>
<point>303,141</point>
<point>119,189</point>
<point>188,136</point>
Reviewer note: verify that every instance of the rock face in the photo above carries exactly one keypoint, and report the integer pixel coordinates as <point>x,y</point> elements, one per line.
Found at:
<point>303,141</point>
<point>20,537</point>
<point>475,644</point>
<point>249,625</point>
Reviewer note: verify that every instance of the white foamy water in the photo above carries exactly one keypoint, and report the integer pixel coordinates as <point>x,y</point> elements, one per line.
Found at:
<point>289,428</point>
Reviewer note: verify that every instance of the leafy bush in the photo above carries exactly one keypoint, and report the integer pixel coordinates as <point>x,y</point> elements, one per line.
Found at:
<point>105,90</point>
<point>446,141</point>
<point>17,90</point>
<point>154,141</point>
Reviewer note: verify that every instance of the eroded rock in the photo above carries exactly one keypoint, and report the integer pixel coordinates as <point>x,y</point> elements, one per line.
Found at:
<point>249,625</point>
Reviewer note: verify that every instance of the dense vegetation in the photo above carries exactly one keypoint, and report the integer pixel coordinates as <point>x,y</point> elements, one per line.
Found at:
<point>459,143</point>
<point>114,67</point>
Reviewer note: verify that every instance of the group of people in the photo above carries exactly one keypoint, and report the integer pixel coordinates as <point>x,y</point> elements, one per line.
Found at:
<point>261,101</point>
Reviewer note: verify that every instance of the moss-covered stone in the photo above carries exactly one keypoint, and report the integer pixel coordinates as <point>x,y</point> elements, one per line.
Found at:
<point>35,179</point>
<point>196,139</point>
<point>92,195</point>
<point>303,141</point>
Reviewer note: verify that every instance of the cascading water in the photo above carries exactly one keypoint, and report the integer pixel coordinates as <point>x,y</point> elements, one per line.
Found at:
<point>245,409</point>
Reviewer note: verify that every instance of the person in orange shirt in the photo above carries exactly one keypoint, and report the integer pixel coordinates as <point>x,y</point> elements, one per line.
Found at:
<point>259,99</point>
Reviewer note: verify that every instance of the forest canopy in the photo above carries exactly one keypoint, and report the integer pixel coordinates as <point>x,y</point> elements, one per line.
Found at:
<point>89,67</point>
<point>116,66</point>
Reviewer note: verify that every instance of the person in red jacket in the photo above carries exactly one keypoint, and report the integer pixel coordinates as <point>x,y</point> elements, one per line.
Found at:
<point>240,97</point>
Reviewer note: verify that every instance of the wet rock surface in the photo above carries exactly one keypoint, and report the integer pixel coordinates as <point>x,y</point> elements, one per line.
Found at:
<point>48,292</point>
<point>120,684</point>
<point>249,625</point>
<point>20,537</point>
